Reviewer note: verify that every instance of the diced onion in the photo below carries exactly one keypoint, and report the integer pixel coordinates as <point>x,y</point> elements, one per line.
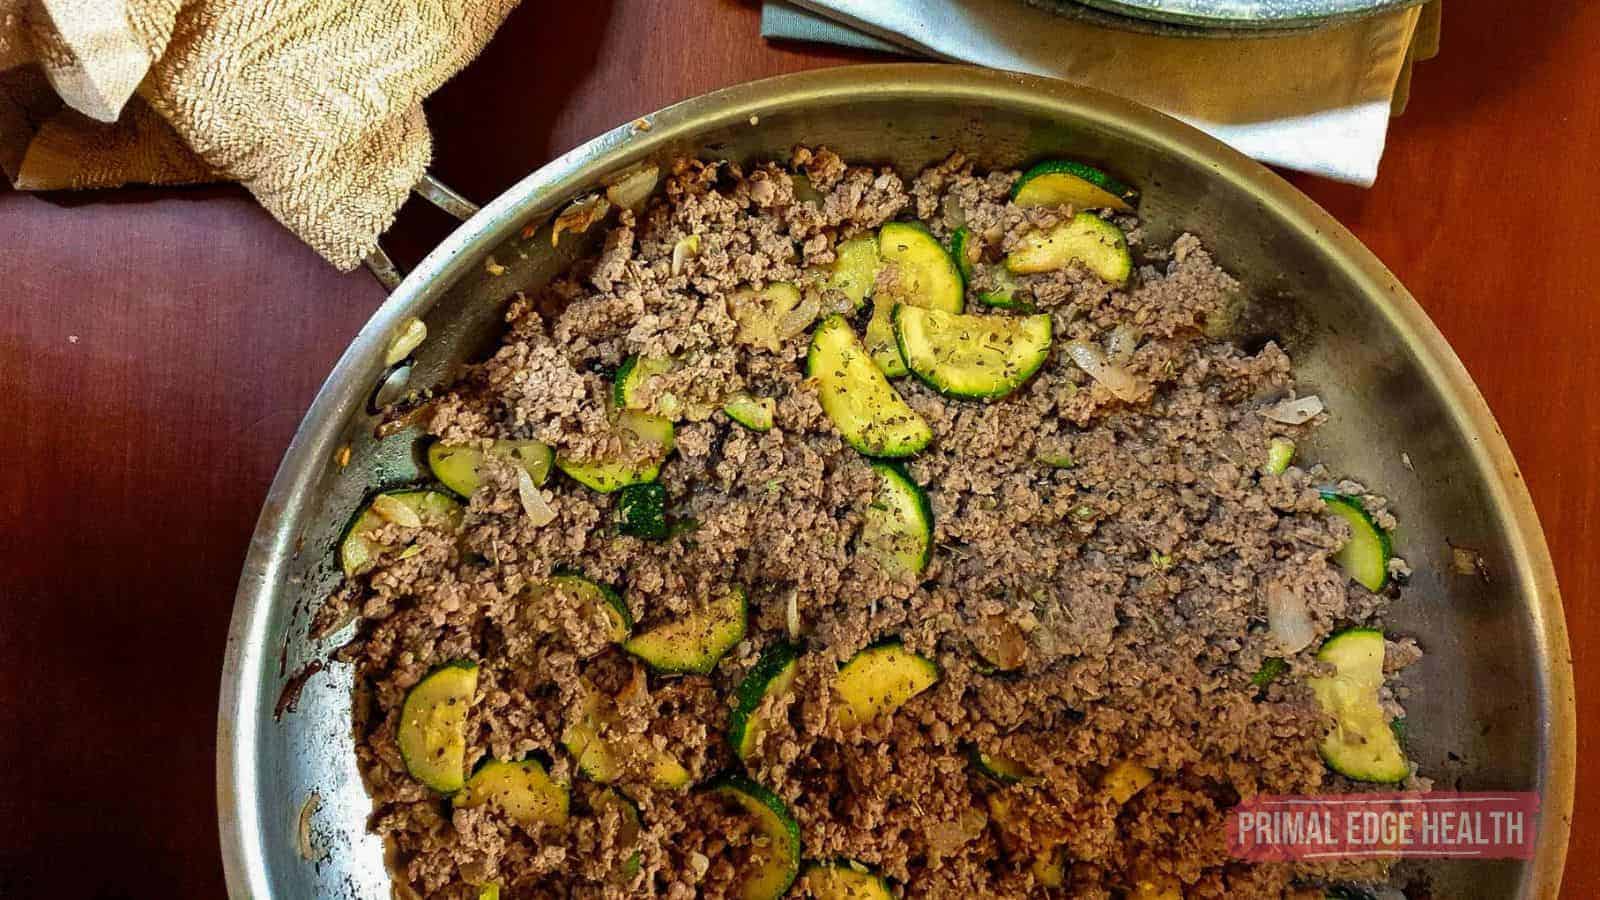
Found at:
<point>533,502</point>
<point>393,510</point>
<point>578,216</point>
<point>1297,411</point>
<point>800,318</point>
<point>683,251</point>
<point>954,215</point>
<point>630,190</point>
<point>1123,341</point>
<point>1288,619</point>
<point>1126,386</point>
<point>308,852</point>
<point>791,614</point>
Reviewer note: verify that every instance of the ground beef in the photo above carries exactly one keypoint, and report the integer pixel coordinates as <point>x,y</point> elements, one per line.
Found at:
<point>1121,598</point>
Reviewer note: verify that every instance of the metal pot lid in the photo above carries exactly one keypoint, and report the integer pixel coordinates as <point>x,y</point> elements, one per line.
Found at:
<point>1251,15</point>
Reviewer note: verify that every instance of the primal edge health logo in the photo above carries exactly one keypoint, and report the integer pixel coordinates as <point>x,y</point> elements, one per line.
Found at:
<point>1441,824</point>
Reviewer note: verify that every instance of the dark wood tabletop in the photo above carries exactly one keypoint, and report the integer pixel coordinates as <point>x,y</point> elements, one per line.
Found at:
<point>158,348</point>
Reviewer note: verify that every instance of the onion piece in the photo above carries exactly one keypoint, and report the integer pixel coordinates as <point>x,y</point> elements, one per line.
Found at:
<point>533,503</point>
<point>1288,619</point>
<point>308,851</point>
<point>630,189</point>
<point>391,509</point>
<point>800,318</point>
<point>954,215</point>
<point>1126,386</point>
<point>578,216</point>
<point>683,251</point>
<point>1123,341</point>
<point>412,333</point>
<point>1296,411</point>
<point>791,614</point>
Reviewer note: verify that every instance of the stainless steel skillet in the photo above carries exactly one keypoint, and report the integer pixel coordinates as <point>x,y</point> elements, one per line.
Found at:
<point>1492,704</point>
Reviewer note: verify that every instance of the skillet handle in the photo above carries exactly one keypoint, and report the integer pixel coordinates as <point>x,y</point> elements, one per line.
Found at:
<point>436,192</point>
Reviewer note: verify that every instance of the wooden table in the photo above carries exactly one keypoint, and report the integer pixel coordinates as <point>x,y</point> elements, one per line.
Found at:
<point>158,347</point>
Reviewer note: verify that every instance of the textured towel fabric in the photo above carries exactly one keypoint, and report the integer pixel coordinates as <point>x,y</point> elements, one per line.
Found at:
<point>315,106</point>
<point>1316,101</point>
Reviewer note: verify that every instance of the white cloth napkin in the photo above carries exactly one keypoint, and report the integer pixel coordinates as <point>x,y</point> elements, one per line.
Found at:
<point>1314,101</point>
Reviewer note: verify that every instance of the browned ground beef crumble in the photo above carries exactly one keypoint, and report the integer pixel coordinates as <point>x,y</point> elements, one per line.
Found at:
<point>1127,589</point>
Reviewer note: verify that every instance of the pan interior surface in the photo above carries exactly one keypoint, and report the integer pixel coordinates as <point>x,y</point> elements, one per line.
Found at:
<point>1490,705</point>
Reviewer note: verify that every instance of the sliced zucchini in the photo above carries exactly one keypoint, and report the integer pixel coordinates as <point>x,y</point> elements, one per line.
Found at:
<point>1280,452</point>
<point>1004,293</point>
<point>773,863</point>
<point>1086,237</point>
<point>433,726</point>
<point>627,391</point>
<point>771,676</point>
<point>964,249</point>
<point>642,511</point>
<point>897,529</point>
<point>521,790</point>
<point>1365,557</point>
<point>645,438</point>
<point>855,269</point>
<point>754,413</point>
<point>632,824</point>
<point>869,413</point>
<point>359,551</point>
<point>926,276</point>
<point>1058,182</point>
<point>975,357</point>
<point>1360,745</point>
<point>490,891</point>
<point>1001,768</point>
<point>694,643</point>
<point>457,467</point>
<point>1125,779</point>
<point>844,879</point>
<point>601,597</point>
<point>1049,867</point>
<point>879,680</point>
<point>770,316</point>
<point>602,761</point>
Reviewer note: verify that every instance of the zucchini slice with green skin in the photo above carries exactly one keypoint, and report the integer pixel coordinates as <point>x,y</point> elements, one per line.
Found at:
<point>1086,237</point>
<point>433,726</point>
<point>971,357</point>
<point>897,529</point>
<point>927,276</point>
<point>1002,769</point>
<point>1059,181</point>
<point>855,269</point>
<point>754,413</point>
<point>1365,557</point>
<point>1125,779</point>
<point>632,823</point>
<point>879,680</point>
<point>651,436</point>
<point>772,868</point>
<point>601,597</point>
<point>457,467</point>
<point>632,375</point>
<point>844,879</point>
<point>694,643</point>
<point>599,759</point>
<point>1280,452</point>
<point>964,250</point>
<point>642,511</point>
<point>1004,294</point>
<point>522,790</point>
<point>1360,745</point>
<point>771,676</point>
<point>358,551</point>
<point>869,413</point>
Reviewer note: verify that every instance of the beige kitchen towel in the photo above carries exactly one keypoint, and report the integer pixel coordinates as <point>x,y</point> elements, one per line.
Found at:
<point>315,106</point>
